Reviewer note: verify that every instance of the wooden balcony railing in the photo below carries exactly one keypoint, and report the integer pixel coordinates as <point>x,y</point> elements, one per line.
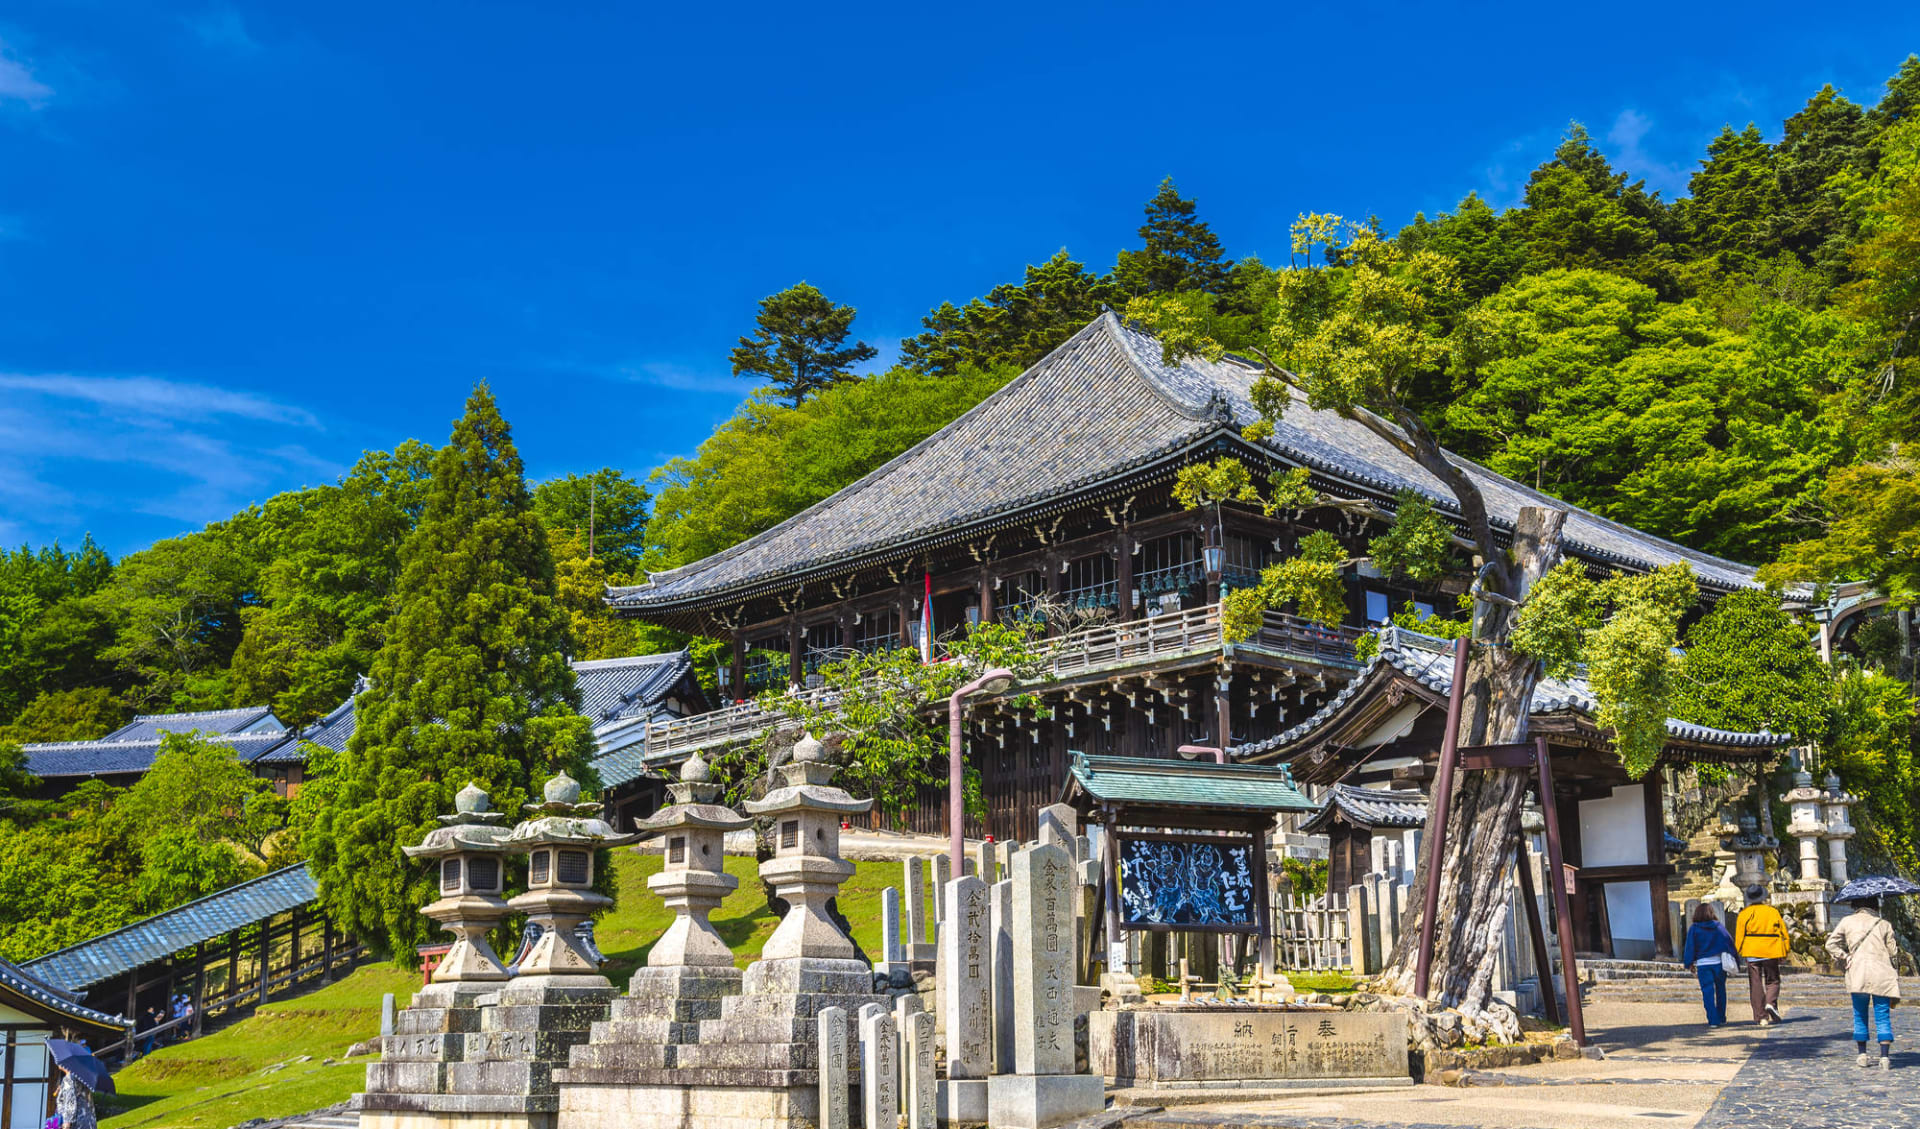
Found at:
<point>1166,636</point>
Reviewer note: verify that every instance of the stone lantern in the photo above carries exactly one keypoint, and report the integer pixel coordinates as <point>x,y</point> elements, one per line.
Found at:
<point>1750,849</point>
<point>471,849</point>
<point>806,869</point>
<point>559,846</point>
<point>693,878</point>
<point>1839,828</point>
<point>1803,804</point>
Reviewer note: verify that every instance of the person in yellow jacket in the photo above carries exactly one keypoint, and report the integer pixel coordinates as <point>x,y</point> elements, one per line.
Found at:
<point>1760,937</point>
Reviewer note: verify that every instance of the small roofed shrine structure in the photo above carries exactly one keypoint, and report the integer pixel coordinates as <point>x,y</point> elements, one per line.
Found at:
<point>1184,845</point>
<point>1052,501</point>
<point>31,1012</point>
<point>1386,727</point>
<point>1367,830</point>
<point>470,850</point>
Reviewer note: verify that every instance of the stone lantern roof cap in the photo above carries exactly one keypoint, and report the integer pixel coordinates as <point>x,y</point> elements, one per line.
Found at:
<point>807,796</point>
<point>564,820</point>
<point>711,816</point>
<point>470,828</point>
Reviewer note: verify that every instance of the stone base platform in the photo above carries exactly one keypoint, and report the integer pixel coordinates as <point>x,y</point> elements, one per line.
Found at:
<point>456,1111</point>
<point>711,1106</point>
<point>1158,1097</point>
<point>961,1101</point>
<point>1042,1101</point>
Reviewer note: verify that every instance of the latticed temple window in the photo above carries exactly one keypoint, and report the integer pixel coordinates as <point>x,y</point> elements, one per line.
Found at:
<point>449,875</point>
<point>540,867</point>
<point>575,866</point>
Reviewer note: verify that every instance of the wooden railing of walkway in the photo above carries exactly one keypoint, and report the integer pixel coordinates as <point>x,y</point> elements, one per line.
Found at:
<point>1108,646</point>
<point>226,977</point>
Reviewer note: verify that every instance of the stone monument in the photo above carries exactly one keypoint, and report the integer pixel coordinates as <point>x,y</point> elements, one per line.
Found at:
<point>1043,1091</point>
<point>966,1000</point>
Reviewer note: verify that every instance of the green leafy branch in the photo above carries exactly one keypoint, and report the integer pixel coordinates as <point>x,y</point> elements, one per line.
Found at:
<point>1622,630</point>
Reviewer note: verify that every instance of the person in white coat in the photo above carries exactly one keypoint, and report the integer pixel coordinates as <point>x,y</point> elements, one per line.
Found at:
<point>1863,945</point>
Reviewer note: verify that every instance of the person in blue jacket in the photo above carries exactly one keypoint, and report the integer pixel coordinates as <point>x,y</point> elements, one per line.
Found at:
<point>1708,952</point>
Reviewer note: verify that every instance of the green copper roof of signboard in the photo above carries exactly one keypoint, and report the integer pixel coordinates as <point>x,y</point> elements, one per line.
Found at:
<point>1198,784</point>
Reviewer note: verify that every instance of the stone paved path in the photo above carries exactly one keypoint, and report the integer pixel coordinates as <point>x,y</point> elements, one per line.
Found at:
<point>1803,1076</point>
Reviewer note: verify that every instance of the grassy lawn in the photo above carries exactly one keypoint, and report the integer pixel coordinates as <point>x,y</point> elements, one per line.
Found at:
<point>222,1079</point>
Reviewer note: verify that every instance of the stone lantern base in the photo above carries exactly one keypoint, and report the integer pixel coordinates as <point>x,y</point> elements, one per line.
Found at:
<point>754,1065</point>
<point>485,1060</point>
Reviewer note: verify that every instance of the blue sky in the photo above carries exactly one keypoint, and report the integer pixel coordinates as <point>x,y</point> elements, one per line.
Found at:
<point>241,243</point>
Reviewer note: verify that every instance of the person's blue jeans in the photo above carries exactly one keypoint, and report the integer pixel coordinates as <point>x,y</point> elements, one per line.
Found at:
<point>1882,1017</point>
<point>1713,990</point>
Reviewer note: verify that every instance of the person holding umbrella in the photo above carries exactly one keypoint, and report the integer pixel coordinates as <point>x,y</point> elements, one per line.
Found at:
<point>1863,946</point>
<point>83,1075</point>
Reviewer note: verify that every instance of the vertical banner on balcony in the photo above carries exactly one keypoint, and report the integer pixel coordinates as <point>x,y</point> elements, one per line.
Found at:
<point>926,622</point>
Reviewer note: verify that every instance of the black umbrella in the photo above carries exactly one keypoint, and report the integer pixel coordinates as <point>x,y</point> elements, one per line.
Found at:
<point>79,1062</point>
<point>1875,886</point>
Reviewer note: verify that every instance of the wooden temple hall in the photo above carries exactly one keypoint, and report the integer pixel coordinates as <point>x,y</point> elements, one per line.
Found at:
<point>1054,494</point>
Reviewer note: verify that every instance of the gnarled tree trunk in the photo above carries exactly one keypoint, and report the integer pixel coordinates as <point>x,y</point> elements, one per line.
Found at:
<point>1483,824</point>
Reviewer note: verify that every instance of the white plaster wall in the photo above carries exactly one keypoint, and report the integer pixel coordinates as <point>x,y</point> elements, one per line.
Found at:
<point>1613,832</point>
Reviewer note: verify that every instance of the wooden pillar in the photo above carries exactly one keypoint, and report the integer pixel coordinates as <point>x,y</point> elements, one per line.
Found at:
<point>266,957</point>
<point>1541,961</point>
<point>1657,857</point>
<point>737,660</point>
<point>293,943</point>
<point>795,650</point>
<point>233,967</point>
<point>1263,900</point>
<point>326,950</point>
<point>133,995</point>
<point>1569,972</point>
<point>1123,574</point>
<point>199,987</point>
<point>1223,709</point>
<point>986,594</point>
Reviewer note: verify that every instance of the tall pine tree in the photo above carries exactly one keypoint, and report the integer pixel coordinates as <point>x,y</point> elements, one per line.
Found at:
<point>471,684</point>
<point>1181,252</point>
<point>799,344</point>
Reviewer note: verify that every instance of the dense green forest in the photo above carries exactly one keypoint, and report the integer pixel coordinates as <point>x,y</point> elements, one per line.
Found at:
<point>1734,369</point>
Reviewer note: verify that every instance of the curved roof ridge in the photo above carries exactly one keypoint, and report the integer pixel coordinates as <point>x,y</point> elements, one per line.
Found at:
<point>866,480</point>
<point>629,660</point>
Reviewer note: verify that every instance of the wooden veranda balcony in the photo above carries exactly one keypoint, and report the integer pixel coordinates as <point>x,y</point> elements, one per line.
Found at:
<point>1167,638</point>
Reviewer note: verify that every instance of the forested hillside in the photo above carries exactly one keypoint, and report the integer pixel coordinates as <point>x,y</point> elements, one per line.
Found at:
<point>1733,369</point>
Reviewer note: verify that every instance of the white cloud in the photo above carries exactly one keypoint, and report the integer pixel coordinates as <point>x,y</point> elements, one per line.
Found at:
<point>17,83</point>
<point>222,28</point>
<point>1630,156</point>
<point>147,396</point>
<point>79,447</point>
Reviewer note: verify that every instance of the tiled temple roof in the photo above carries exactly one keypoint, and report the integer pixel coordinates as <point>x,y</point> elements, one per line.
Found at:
<point>1099,408</point>
<point>1429,661</point>
<point>1370,807</point>
<point>108,955</point>
<point>31,989</point>
<point>106,757</point>
<point>149,726</point>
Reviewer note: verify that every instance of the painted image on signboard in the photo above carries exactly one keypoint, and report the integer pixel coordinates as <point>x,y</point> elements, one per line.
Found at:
<point>1205,883</point>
